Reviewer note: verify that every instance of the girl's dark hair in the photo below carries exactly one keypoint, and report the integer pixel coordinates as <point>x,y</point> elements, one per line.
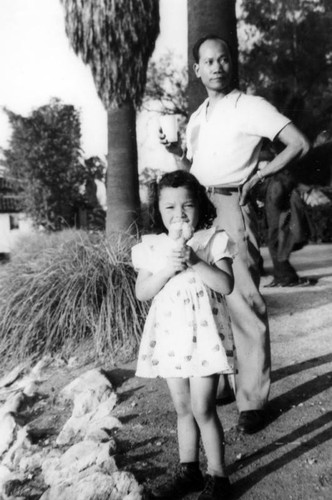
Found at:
<point>200,42</point>
<point>181,178</point>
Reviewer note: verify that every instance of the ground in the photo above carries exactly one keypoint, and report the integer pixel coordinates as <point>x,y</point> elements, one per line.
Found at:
<point>289,459</point>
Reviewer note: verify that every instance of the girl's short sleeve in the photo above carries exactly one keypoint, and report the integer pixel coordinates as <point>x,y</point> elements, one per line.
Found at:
<point>221,246</point>
<point>138,256</point>
<point>148,254</point>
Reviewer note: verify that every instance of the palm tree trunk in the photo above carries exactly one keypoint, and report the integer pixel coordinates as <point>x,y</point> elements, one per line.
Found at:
<point>209,17</point>
<point>122,177</point>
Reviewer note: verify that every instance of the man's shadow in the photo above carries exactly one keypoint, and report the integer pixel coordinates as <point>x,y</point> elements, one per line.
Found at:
<point>244,484</point>
<point>282,404</point>
<point>285,371</point>
<point>297,395</point>
<point>300,393</point>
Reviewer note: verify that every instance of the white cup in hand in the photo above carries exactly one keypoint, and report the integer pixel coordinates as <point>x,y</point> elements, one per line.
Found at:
<point>169,126</point>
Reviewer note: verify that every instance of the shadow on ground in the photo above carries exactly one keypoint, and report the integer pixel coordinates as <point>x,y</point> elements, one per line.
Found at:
<point>244,484</point>
<point>286,371</point>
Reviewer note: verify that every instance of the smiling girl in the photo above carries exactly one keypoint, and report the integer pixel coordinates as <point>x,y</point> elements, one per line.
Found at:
<point>187,337</point>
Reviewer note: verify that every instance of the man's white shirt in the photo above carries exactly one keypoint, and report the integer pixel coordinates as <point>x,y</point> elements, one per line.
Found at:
<point>224,149</point>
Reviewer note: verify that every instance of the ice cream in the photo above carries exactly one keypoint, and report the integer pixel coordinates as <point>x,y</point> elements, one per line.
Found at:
<point>180,231</point>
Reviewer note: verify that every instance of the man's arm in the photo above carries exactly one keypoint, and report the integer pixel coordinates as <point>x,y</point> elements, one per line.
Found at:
<point>176,149</point>
<point>296,146</point>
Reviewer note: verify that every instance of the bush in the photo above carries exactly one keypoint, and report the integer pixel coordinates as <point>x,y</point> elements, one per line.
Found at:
<point>64,288</point>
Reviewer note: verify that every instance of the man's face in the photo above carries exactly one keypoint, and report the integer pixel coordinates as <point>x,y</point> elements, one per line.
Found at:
<point>214,67</point>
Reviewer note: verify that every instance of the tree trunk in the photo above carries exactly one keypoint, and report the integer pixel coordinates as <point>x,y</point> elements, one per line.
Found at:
<point>122,177</point>
<point>209,17</point>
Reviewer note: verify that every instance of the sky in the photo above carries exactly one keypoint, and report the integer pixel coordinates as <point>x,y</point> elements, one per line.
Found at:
<point>37,63</point>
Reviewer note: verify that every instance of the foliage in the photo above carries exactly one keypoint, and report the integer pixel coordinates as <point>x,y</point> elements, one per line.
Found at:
<point>116,39</point>
<point>167,84</point>
<point>149,175</point>
<point>321,217</point>
<point>63,288</point>
<point>148,178</point>
<point>286,56</point>
<point>44,154</point>
<point>93,207</point>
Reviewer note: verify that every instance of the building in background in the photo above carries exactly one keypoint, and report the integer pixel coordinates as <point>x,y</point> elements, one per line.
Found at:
<point>13,222</point>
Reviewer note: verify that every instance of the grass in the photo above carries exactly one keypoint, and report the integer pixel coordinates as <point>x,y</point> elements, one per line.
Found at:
<point>60,290</point>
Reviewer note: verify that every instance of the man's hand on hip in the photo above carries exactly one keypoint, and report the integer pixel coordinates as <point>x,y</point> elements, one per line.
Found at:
<point>246,188</point>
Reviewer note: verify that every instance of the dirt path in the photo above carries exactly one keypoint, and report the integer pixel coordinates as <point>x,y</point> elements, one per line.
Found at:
<point>291,458</point>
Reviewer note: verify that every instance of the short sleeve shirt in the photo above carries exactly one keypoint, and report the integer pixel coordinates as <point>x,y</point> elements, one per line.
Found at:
<point>224,150</point>
<point>210,245</point>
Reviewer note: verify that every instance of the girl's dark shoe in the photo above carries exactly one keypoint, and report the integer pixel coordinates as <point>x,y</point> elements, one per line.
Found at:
<point>187,480</point>
<point>216,488</point>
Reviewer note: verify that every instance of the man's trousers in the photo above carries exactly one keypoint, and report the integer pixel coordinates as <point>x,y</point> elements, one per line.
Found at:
<point>246,305</point>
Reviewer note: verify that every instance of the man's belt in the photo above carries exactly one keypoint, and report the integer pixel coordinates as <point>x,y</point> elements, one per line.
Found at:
<point>222,190</point>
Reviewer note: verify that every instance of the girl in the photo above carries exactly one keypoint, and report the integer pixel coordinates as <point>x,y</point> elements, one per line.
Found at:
<point>187,337</point>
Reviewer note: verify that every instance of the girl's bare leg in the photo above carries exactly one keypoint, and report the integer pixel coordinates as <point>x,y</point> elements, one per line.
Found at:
<point>188,432</point>
<point>203,394</point>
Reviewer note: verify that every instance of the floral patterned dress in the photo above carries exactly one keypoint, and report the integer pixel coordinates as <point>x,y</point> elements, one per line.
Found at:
<point>187,332</point>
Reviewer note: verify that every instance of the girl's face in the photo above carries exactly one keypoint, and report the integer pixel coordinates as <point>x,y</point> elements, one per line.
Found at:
<point>177,203</point>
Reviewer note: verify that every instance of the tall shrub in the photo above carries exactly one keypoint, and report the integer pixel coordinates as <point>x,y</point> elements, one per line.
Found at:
<point>44,153</point>
<point>64,288</point>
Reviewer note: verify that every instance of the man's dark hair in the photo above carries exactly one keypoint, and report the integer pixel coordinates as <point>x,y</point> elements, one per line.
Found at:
<point>203,39</point>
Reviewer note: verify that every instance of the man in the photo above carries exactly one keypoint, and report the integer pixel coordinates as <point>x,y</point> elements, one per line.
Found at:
<point>289,227</point>
<point>224,139</point>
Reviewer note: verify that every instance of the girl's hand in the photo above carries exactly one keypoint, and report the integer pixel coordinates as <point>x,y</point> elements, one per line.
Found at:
<point>190,257</point>
<point>176,261</point>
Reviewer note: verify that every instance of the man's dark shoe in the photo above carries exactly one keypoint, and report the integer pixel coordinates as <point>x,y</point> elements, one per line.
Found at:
<point>187,480</point>
<point>251,421</point>
<point>216,488</point>
<point>291,282</point>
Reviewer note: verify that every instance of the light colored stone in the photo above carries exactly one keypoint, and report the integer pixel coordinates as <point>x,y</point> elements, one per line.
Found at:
<point>73,362</point>
<point>29,463</point>
<point>105,408</point>
<point>5,476</point>
<point>90,400</point>
<point>13,375</point>
<point>7,431</point>
<point>31,388</point>
<point>72,430</point>
<point>87,470</point>
<point>101,436</point>
<point>92,380</point>
<point>104,423</point>
<point>90,423</point>
<point>14,403</point>
<point>12,383</point>
<point>38,370</point>
<point>97,486</point>
<point>77,458</point>
<point>20,442</point>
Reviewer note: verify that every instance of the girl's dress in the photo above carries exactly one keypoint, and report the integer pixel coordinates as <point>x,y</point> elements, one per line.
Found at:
<point>187,332</point>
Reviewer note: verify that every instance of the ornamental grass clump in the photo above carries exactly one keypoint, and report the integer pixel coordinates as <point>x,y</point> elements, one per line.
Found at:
<point>65,288</point>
